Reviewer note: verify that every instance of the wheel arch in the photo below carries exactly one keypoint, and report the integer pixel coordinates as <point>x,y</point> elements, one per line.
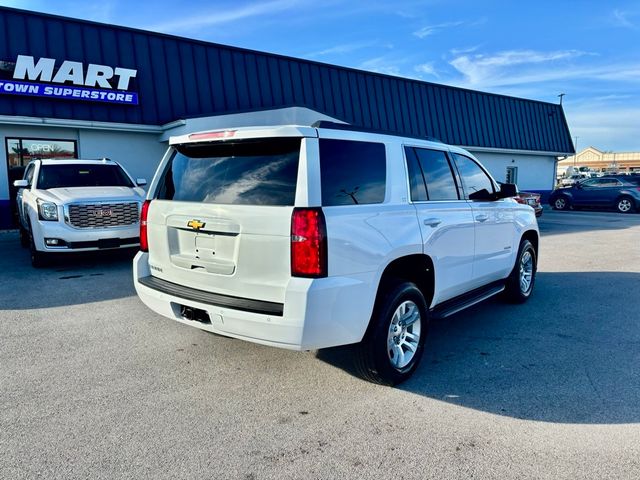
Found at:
<point>533,237</point>
<point>417,268</point>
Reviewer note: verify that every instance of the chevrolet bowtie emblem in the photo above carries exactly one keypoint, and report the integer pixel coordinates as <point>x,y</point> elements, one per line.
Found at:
<point>195,224</point>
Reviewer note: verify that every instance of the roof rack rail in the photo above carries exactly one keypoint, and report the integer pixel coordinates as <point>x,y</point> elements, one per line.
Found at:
<point>346,126</point>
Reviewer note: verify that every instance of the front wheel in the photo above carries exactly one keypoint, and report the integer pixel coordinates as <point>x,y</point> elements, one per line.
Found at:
<point>38,259</point>
<point>393,345</point>
<point>625,205</point>
<point>519,284</point>
<point>24,237</point>
<point>561,203</point>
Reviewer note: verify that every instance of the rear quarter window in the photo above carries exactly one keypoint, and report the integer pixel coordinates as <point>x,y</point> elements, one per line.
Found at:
<point>256,172</point>
<point>352,173</point>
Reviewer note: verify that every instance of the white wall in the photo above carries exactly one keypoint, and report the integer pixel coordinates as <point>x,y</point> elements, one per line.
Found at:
<point>138,153</point>
<point>535,172</point>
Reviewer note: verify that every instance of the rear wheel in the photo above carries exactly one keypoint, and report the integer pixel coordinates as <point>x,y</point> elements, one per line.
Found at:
<point>519,284</point>
<point>625,205</point>
<point>393,345</point>
<point>561,203</point>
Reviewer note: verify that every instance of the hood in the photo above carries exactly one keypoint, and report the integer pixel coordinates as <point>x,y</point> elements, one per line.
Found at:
<point>92,194</point>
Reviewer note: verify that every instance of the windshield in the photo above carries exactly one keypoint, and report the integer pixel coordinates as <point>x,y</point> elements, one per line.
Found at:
<point>248,172</point>
<point>82,175</point>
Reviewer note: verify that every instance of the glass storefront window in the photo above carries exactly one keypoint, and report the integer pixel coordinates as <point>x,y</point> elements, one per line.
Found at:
<point>20,151</point>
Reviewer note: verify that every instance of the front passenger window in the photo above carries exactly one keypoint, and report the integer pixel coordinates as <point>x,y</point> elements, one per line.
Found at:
<point>473,177</point>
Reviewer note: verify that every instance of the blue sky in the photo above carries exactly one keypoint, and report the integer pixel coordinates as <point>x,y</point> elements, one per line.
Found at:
<point>588,50</point>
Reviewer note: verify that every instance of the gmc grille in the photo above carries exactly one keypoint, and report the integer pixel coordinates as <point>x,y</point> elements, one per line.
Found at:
<point>103,215</point>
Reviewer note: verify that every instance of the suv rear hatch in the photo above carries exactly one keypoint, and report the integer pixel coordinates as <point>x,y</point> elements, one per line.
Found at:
<point>220,220</point>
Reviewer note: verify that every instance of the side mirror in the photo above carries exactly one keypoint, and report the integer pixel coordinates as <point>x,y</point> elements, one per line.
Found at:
<point>21,183</point>
<point>483,194</point>
<point>141,182</point>
<point>507,190</point>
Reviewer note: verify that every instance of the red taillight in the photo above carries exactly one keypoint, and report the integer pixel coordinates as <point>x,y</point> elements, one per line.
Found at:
<point>519,200</point>
<point>308,243</point>
<point>144,243</point>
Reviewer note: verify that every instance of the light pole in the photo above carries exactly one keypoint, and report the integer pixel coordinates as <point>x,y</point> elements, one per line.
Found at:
<point>575,155</point>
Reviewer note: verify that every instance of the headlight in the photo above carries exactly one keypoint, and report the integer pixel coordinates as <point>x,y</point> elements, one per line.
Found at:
<point>48,211</point>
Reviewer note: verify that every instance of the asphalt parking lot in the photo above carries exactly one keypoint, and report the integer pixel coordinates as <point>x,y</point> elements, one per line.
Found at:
<point>95,385</point>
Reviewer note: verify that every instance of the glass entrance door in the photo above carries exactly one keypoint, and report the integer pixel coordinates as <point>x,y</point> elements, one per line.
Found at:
<point>20,151</point>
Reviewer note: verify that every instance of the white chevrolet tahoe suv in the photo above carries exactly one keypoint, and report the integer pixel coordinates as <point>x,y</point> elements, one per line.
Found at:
<point>77,205</point>
<point>313,237</point>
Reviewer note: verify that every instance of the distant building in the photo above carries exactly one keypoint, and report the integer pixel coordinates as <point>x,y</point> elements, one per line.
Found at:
<point>602,161</point>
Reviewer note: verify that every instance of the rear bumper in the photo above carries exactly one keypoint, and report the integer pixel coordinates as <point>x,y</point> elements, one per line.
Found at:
<point>316,313</point>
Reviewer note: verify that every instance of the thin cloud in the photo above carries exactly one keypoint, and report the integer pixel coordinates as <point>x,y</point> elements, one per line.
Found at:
<point>621,19</point>
<point>433,29</point>
<point>437,28</point>
<point>381,65</point>
<point>219,17</point>
<point>427,69</point>
<point>505,68</point>
<point>341,49</point>
<point>461,51</point>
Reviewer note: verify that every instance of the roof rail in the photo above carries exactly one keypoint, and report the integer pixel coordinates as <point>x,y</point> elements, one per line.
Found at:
<point>346,126</point>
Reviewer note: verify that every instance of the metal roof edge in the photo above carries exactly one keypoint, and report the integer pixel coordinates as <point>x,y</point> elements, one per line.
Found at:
<point>86,124</point>
<point>514,151</point>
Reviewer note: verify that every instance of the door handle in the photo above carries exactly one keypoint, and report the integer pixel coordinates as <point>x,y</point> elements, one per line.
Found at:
<point>432,222</point>
<point>482,217</point>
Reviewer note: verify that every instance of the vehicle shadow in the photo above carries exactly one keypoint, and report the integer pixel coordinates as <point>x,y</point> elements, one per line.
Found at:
<point>68,279</point>
<point>569,355</point>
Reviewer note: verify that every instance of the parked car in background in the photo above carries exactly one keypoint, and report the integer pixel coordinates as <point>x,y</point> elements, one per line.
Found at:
<point>531,199</point>
<point>572,179</point>
<point>605,192</point>
<point>77,205</point>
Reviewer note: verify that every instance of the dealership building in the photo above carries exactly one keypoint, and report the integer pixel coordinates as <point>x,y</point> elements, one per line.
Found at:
<point>76,89</point>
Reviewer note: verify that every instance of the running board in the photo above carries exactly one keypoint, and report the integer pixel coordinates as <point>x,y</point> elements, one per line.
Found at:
<point>455,305</point>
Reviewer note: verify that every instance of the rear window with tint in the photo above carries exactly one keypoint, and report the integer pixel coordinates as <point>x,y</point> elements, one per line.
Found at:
<point>351,172</point>
<point>256,172</point>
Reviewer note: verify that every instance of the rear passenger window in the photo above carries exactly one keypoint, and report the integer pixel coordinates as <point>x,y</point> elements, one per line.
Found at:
<point>352,173</point>
<point>473,177</point>
<point>434,171</point>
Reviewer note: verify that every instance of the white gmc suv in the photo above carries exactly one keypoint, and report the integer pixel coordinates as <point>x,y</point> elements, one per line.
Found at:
<point>312,237</point>
<point>77,205</point>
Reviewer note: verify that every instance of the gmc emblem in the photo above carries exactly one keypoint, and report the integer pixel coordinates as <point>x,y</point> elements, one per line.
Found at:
<point>102,212</point>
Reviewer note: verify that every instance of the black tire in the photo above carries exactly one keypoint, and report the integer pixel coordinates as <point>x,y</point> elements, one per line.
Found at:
<point>24,237</point>
<point>625,204</point>
<point>38,259</point>
<point>373,356</point>
<point>561,202</point>
<point>516,291</point>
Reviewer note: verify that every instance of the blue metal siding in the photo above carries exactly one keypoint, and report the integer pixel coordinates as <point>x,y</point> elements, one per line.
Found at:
<point>182,78</point>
